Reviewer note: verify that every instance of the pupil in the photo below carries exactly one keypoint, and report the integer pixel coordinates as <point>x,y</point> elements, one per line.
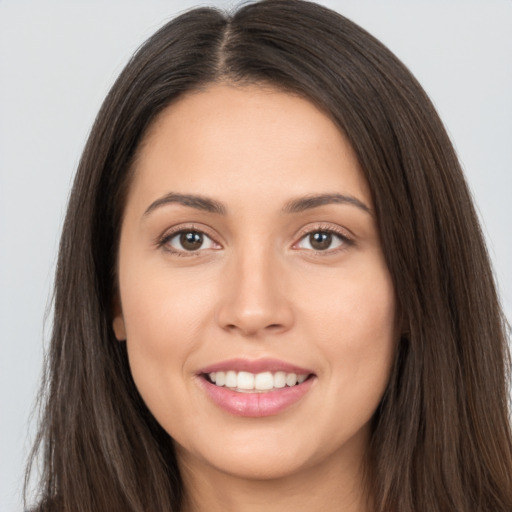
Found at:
<point>320,240</point>
<point>191,240</point>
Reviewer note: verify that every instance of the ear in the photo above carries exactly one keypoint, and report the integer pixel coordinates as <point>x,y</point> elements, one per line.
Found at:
<point>118,321</point>
<point>403,327</point>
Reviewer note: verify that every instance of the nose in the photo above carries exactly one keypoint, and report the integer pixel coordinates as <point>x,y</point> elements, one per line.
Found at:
<point>254,299</point>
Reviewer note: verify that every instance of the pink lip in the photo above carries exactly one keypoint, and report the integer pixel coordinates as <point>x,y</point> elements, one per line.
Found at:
<point>255,404</point>
<point>255,366</point>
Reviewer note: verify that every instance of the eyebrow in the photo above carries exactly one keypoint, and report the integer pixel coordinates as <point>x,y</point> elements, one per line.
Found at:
<point>294,206</point>
<point>194,201</point>
<point>314,201</point>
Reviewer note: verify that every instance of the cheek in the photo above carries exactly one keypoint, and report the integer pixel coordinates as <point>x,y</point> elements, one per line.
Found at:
<point>163,315</point>
<point>163,309</point>
<point>356,306</point>
<point>368,329</point>
<point>355,328</point>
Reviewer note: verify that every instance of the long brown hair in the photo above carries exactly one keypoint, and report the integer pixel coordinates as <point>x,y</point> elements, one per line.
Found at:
<point>441,435</point>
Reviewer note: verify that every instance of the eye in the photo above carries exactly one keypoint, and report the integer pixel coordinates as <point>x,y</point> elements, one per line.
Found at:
<point>322,240</point>
<point>188,240</point>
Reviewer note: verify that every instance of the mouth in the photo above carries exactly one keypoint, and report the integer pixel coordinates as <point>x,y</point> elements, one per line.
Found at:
<point>255,388</point>
<point>263,382</point>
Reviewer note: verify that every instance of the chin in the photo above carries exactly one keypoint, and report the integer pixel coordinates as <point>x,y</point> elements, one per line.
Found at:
<point>267,455</point>
<point>257,465</point>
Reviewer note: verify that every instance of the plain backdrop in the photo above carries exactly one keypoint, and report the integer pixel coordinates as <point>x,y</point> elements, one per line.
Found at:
<point>57,61</point>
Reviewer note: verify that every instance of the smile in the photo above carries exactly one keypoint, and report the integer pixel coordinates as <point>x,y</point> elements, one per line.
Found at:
<point>264,387</point>
<point>246,382</point>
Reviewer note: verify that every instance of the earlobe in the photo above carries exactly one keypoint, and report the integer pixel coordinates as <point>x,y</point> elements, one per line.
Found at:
<point>118,321</point>
<point>118,326</point>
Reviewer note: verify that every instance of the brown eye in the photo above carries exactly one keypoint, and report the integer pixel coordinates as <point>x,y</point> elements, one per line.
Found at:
<point>320,240</point>
<point>191,240</point>
<point>187,241</point>
<point>323,241</point>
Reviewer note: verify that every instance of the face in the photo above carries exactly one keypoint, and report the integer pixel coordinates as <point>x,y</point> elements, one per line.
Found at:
<point>257,308</point>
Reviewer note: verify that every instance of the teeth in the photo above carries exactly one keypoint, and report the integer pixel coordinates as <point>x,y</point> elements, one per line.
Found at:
<point>245,380</point>
<point>231,380</point>
<point>280,379</point>
<point>220,378</point>
<point>265,381</point>
<point>291,379</point>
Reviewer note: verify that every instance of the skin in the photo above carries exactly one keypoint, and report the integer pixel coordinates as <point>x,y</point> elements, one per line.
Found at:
<point>256,288</point>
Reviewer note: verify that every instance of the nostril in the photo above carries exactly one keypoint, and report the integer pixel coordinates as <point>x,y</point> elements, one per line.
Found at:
<point>249,330</point>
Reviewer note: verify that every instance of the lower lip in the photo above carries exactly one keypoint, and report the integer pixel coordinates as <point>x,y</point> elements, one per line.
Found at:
<point>255,404</point>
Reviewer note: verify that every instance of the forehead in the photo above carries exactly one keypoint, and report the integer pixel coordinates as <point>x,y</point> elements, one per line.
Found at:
<point>246,139</point>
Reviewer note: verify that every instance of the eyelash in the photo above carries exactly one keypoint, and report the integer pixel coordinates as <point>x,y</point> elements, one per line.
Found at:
<point>163,242</point>
<point>345,240</point>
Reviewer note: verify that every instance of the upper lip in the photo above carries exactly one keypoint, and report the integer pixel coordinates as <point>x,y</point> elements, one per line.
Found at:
<point>255,366</point>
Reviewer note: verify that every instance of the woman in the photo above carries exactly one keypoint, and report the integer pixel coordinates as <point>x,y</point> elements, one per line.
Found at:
<point>272,291</point>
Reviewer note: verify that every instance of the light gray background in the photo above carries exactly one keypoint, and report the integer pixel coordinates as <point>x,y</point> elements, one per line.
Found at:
<point>57,61</point>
